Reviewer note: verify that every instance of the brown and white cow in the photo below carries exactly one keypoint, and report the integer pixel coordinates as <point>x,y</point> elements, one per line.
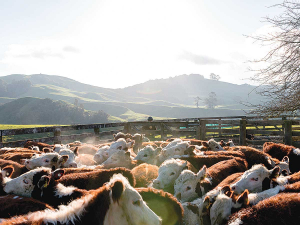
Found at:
<point>168,172</point>
<point>253,179</point>
<point>50,160</point>
<point>114,203</point>
<point>279,151</point>
<point>144,174</point>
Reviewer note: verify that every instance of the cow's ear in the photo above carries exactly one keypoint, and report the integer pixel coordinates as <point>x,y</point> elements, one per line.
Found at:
<point>286,159</point>
<point>243,198</point>
<point>114,135</point>
<point>76,151</point>
<point>63,159</point>
<point>7,171</point>
<point>43,182</point>
<point>117,189</point>
<point>274,172</point>
<point>198,190</point>
<point>202,173</point>
<point>57,174</point>
<point>205,144</point>
<point>222,143</point>
<point>46,150</point>
<point>119,148</point>
<point>206,205</point>
<point>226,189</point>
<point>127,154</point>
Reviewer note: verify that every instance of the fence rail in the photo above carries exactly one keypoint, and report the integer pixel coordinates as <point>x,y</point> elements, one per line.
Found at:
<point>243,130</point>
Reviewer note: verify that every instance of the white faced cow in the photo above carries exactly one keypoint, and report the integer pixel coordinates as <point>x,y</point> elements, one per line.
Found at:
<point>253,179</point>
<point>187,186</point>
<point>168,173</point>
<point>50,160</point>
<point>148,155</point>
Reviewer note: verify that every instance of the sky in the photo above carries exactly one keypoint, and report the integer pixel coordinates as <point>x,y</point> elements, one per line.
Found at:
<point>119,43</point>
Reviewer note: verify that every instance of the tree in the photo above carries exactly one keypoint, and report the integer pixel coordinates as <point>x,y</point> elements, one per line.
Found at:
<point>279,70</point>
<point>197,99</point>
<point>213,76</point>
<point>211,101</point>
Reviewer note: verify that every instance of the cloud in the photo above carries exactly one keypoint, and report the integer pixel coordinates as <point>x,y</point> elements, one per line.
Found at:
<point>42,54</point>
<point>71,49</point>
<point>200,59</point>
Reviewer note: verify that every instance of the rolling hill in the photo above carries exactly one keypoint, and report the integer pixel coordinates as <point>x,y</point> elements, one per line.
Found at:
<point>162,98</point>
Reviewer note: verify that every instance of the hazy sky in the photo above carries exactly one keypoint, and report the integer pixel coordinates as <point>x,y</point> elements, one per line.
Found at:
<point>118,43</point>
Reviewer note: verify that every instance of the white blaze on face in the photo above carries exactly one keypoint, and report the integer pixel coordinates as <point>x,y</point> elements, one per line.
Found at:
<point>119,144</point>
<point>118,159</point>
<point>24,184</point>
<point>187,186</point>
<point>252,179</point>
<point>71,160</point>
<point>130,209</point>
<point>175,149</point>
<point>102,154</point>
<point>215,146</point>
<point>50,160</point>
<point>168,173</point>
<point>221,209</point>
<point>148,155</point>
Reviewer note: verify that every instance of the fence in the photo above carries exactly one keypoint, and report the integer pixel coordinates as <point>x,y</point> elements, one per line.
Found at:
<point>243,130</point>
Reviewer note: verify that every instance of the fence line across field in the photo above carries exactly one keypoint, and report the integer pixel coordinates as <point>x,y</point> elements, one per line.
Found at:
<point>285,129</point>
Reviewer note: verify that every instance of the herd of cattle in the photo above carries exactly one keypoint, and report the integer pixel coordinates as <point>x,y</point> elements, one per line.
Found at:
<point>133,181</point>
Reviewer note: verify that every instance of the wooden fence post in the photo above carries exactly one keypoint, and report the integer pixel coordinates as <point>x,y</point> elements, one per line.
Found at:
<point>162,131</point>
<point>57,138</point>
<point>97,132</point>
<point>126,128</point>
<point>287,126</point>
<point>202,130</point>
<point>198,131</point>
<point>1,139</point>
<point>243,127</point>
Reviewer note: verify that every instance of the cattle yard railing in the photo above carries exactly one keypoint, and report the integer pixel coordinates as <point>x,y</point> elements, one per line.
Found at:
<point>242,130</point>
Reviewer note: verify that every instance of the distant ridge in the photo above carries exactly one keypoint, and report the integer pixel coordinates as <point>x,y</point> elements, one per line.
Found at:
<point>162,98</point>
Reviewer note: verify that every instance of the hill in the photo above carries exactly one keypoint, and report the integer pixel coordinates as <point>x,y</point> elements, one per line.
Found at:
<point>46,111</point>
<point>162,98</point>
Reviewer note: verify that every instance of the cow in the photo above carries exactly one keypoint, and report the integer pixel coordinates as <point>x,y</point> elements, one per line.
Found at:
<point>198,161</point>
<point>163,204</point>
<point>103,153</point>
<point>119,159</point>
<point>50,160</point>
<point>187,185</point>
<point>149,155</point>
<point>122,135</point>
<point>41,145</point>
<point>279,151</point>
<point>14,205</point>
<point>280,209</point>
<point>138,141</point>
<point>18,168</point>
<point>144,174</point>
<point>253,179</point>
<point>72,155</point>
<point>168,172</point>
<point>94,180</point>
<point>212,145</point>
<point>114,203</point>
<point>187,189</point>
<point>18,157</point>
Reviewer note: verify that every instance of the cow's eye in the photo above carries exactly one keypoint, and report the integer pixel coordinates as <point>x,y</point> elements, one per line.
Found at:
<point>46,160</point>
<point>145,155</point>
<point>25,181</point>
<point>172,174</point>
<point>254,179</point>
<point>188,188</point>
<point>137,202</point>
